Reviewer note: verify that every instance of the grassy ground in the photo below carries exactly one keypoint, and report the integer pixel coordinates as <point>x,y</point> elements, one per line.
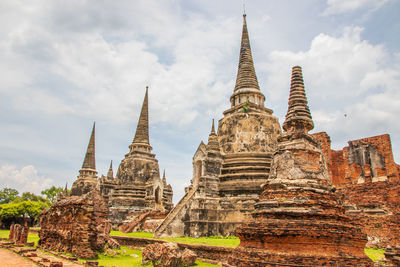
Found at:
<point>124,256</point>
<point>130,257</point>
<point>230,241</point>
<point>375,254</point>
<point>31,237</point>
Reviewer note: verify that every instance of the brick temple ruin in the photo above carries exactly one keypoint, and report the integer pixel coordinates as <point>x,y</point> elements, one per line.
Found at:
<point>299,220</point>
<point>291,198</point>
<point>77,225</point>
<point>137,191</point>
<point>367,179</point>
<point>229,170</point>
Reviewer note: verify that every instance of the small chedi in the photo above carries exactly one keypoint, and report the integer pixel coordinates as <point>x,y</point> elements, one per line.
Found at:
<point>138,187</point>
<point>229,170</point>
<point>137,196</point>
<point>298,220</point>
<point>87,179</point>
<point>78,223</point>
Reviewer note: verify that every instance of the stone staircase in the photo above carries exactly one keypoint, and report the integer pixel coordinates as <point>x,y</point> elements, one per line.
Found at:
<point>130,227</point>
<point>175,211</point>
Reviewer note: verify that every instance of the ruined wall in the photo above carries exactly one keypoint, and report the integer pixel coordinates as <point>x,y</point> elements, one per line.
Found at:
<point>76,224</point>
<point>367,179</point>
<point>18,233</point>
<point>364,160</point>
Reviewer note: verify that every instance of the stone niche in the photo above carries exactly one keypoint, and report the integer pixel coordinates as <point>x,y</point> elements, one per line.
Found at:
<point>76,224</point>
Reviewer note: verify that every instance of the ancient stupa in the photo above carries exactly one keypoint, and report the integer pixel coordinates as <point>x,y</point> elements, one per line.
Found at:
<point>298,220</point>
<point>138,186</point>
<point>228,172</point>
<point>87,179</point>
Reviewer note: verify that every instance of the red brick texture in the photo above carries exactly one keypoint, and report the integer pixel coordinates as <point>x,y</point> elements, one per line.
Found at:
<point>367,179</point>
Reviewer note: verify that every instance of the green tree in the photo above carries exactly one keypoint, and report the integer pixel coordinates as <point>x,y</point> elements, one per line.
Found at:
<point>26,196</point>
<point>51,193</point>
<point>8,195</point>
<point>17,210</point>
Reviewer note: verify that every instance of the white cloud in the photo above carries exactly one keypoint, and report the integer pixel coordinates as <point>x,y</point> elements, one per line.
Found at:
<point>25,179</point>
<point>85,73</point>
<point>352,85</point>
<point>344,6</point>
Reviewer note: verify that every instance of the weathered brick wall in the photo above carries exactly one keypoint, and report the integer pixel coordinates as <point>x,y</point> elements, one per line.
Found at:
<point>364,160</point>
<point>367,179</point>
<point>18,233</point>
<point>76,224</point>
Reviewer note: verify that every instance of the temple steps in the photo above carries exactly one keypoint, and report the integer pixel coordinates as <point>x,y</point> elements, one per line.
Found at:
<point>245,169</point>
<point>175,211</point>
<point>243,176</point>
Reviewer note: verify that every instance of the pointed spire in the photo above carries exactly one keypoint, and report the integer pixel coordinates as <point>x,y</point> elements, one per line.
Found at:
<point>213,143</point>
<point>164,178</point>
<point>298,117</point>
<point>110,173</point>
<point>66,187</point>
<point>246,76</point>
<point>90,160</point>
<point>212,127</point>
<point>142,130</point>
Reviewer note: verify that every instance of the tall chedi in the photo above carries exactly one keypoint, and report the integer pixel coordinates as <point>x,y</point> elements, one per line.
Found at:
<point>87,179</point>
<point>139,187</point>
<point>248,135</point>
<point>228,172</point>
<point>298,220</point>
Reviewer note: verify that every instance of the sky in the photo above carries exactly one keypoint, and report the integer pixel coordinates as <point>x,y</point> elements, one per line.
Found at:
<point>66,64</point>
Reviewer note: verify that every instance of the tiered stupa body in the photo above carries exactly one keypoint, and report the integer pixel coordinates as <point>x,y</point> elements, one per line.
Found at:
<point>87,179</point>
<point>247,135</point>
<point>228,172</point>
<point>138,186</point>
<point>298,220</point>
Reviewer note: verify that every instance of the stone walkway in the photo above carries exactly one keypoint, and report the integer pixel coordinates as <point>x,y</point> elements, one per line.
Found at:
<point>9,259</point>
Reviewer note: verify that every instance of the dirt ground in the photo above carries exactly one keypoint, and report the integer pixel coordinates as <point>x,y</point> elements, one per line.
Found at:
<point>9,259</point>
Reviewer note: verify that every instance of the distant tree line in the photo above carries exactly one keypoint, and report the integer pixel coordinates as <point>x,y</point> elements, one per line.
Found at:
<point>15,208</point>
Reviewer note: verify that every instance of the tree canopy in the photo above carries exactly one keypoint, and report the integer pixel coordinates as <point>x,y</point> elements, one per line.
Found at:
<point>51,193</point>
<point>13,208</point>
<point>8,195</point>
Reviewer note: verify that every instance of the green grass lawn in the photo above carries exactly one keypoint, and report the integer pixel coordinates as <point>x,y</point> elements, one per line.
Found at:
<point>125,256</point>
<point>375,254</point>
<point>230,241</point>
<point>31,236</point>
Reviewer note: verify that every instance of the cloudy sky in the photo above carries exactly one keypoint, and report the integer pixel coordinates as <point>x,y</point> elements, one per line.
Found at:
<point>66,64</point>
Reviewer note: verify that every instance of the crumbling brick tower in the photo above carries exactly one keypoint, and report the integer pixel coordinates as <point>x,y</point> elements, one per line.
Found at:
<point>226,185</point>
<point>298,220</point>
<point>138,186</point>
